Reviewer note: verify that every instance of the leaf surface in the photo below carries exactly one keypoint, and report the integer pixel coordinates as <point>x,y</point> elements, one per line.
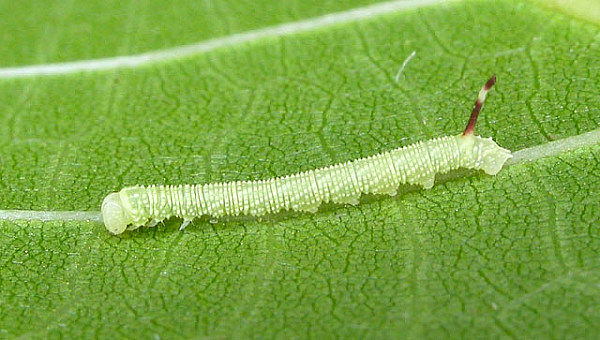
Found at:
<point>515,255</point>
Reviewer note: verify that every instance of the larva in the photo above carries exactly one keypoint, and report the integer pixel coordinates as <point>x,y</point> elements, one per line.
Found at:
<point>418,164</point>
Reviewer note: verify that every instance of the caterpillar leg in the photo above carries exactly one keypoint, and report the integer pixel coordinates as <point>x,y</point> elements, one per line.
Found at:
<point>392,191</point>
<point>186,222</point>
<point>311,209</point>
<point>428,182</point>
<point>153,223</point>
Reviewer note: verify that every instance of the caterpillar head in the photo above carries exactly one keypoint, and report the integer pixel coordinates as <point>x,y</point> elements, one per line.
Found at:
<point>115,217</point>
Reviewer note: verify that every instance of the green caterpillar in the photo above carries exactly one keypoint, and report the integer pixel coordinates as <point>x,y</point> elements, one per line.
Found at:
<point>418,163</point>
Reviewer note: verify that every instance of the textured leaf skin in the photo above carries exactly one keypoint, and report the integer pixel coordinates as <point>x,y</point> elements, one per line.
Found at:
<point>58,31</point>
<point>511,256</point>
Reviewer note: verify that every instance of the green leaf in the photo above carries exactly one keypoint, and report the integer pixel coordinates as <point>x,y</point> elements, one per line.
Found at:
<point>515,255</point>
<point>583,9</point>
<point>37,32</point>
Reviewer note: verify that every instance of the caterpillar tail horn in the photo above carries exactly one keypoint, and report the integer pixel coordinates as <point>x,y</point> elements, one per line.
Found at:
<point>478,104</point>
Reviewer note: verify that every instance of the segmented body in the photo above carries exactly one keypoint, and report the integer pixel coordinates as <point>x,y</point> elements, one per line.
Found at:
<point>304,191</point>
<point>415,164</point>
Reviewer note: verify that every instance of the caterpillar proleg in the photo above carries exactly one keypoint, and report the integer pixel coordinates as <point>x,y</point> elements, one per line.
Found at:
<point>418,164</point>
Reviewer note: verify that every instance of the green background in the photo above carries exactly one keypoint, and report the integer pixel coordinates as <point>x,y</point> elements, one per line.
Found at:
<point>515,255</point>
